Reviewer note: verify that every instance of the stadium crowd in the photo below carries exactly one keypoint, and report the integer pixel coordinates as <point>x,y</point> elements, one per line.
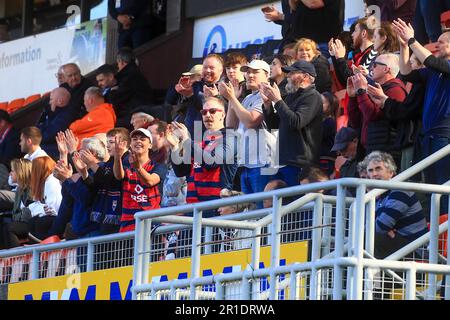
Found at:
<point>98,154</point>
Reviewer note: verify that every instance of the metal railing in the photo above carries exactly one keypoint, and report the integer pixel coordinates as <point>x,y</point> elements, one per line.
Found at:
<point>347,242</point>
<point>331,223</point>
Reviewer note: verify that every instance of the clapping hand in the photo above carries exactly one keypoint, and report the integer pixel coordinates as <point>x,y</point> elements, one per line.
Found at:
<point>62,171</point>
<point>272,93</point>
<point>377,94</point>
<point>403,30</point>
<point>62,145</point>
<point>336,48</point>
<point>184,86</point>
<point>227,90</point>
<point>210,91</point>
<point>120,146</point>
<point>71,140</point>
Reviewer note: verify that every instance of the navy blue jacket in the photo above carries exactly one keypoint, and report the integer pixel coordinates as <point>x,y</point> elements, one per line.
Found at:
<point>9,147</point>
<point>52,123</point>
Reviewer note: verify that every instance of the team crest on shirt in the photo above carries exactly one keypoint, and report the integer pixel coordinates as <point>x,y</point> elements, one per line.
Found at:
<point>139,197</point>
<point>138,189</point>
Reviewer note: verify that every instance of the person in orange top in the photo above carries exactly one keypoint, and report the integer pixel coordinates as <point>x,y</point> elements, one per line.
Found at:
<point>99,119</point>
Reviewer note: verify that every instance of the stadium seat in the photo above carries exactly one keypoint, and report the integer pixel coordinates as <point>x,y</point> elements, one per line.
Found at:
<point>31,99</point>
<point>15,105</point>
<point>3,105</point>
<point>445,20</point>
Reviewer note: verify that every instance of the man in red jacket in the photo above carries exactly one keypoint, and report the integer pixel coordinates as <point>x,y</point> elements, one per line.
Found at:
<point>362,110</point>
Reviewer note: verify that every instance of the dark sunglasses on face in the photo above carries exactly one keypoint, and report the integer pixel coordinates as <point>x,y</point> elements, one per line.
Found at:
<point>211,111</point>
<point>379,63</point>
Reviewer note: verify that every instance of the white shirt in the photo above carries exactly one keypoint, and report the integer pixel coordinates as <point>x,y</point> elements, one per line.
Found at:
<point>36,154</point>
<point>52,198</point>
<point>255,144</point>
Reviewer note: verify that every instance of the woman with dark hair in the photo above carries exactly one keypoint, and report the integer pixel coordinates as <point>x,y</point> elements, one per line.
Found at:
<point>385,40</point>
<point>307,50</point>
<point>330,107</point>
<point>20,215</point>
<point>276,74</point>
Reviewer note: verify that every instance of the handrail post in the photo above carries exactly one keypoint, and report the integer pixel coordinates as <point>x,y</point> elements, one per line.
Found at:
<point>275,249</point>
<point>315,251</point>
<point>196,250</point>
<point>326,231</point>
<point>256,252</point>
<point>370,245</point>
<point>90,257</point>
<point>339,241</point>
<point>35,265</point>
<point>147,245</point>
<point>359,243</point>
<point>434,238</point>
<point>208,239</point>
<point>447,277</point>
<point>139,262</point>
<point>411,284</point>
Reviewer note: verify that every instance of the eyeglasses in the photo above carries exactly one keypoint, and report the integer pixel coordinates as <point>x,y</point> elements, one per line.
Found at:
<point>379,63</point>
<point>211,111</point>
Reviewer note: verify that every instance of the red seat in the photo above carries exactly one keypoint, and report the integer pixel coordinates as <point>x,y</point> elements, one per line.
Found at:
<point>3,105</point>
<point>15,105</point>
<point>31,99</point>
<point>442,244</point>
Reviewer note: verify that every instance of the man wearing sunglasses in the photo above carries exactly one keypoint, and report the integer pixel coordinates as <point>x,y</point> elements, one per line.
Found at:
<point>364,113</point>
<point>209,165</point>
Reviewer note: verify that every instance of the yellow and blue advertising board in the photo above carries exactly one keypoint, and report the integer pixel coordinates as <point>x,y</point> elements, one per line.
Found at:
<point>115,284</point>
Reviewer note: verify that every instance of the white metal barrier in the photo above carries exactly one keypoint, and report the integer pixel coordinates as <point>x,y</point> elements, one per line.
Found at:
<point>353,275</point>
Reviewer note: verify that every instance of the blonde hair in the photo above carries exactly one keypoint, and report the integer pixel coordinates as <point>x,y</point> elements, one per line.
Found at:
<point>41,168</point>
<point>303,42</point>
<point>22,168</point>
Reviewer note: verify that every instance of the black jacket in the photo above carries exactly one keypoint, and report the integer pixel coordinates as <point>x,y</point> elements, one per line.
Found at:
<point>76,102</point>
<point>299,120</point>
<point>319,25</point>
<point>138,9</point>
<point>133,91</point>
<point>407,116</point>
<point>9,147</point>
<point>323,79</point>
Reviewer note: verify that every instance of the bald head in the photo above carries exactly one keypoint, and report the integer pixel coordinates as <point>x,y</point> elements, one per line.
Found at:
<point>92,98</point>
<point>443,46</point>
<point>59,97</point>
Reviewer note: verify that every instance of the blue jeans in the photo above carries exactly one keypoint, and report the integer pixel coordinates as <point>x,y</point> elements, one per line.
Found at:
<point>290,175</point>
<point>252,181</point>
<point>427,19</point>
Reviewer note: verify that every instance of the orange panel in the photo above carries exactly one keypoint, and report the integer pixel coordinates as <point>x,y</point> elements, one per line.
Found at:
<point>15,104</point>
<point>3,105</point>
<point>31,99</point>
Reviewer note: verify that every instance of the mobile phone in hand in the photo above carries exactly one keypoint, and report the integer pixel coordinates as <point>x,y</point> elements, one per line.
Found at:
<point>266,9</point>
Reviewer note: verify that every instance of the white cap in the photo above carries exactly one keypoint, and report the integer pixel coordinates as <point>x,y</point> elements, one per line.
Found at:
<point>145,132</point>
<point>256,65</point>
